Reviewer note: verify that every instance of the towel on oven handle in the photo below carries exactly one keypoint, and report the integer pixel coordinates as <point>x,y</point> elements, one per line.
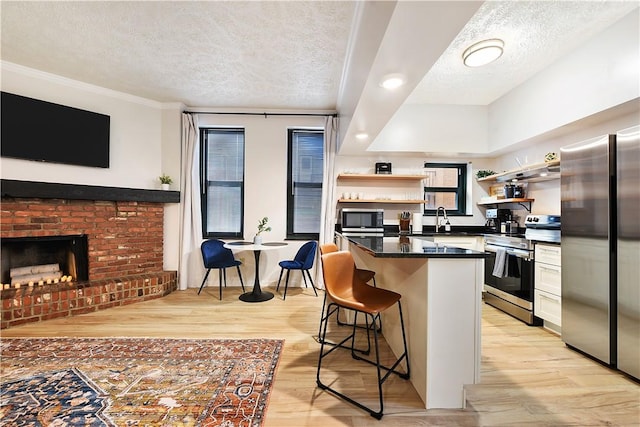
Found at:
<point>500,262</point>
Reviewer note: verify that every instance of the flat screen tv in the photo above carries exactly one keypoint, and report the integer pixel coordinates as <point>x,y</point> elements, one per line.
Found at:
<point>43,131</point>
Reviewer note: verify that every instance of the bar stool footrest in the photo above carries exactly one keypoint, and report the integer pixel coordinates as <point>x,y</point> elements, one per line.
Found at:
<point>375,414</point>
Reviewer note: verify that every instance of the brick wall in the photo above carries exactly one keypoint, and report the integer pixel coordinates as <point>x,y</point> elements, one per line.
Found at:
<point>125,245</point>
<point>125,238</point>
<point>40,303</point>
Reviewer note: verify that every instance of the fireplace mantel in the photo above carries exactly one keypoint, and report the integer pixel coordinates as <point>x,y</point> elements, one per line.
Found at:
<point>48,190</point>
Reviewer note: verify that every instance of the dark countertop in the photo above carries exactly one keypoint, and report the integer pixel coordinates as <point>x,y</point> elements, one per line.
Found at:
<point>410,247</point>
<point>429,230</point>
<point>456,230</point>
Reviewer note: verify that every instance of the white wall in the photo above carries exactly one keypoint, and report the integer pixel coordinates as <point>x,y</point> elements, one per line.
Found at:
<point>547,193</point>
<point>135,137</point>
<point>171,159</point>
<point>265,182</point>
<point>411,164</point>
<point>436,129</point>
<point>595,77</point>
<point>144,141</point>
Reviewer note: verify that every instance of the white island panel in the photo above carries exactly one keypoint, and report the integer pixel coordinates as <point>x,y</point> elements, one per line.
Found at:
<point>441,304</point>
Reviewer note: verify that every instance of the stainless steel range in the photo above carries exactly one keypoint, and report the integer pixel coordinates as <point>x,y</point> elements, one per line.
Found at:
<point>543,228</point>
<point>508,276</point>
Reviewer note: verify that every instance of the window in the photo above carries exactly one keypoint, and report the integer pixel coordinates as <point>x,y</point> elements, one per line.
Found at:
<point>445,185</point>
<point>222,176</point>
<point>304,183</point>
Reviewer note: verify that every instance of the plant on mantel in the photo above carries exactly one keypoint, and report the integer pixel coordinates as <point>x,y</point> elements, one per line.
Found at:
<point>165,181</point>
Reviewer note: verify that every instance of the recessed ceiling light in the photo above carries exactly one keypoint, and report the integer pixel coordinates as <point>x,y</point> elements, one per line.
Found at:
<point>362,136</point>
<point>392,81</point>
<point>483,53</point>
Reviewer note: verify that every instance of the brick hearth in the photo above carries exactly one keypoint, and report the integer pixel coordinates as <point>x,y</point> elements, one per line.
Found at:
<point>125,254</point>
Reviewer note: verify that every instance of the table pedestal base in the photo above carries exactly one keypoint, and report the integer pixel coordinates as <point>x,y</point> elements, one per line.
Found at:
<point>256,297</point>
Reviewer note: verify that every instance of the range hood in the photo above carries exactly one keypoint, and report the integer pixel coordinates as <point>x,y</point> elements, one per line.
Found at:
<point>531,173</point>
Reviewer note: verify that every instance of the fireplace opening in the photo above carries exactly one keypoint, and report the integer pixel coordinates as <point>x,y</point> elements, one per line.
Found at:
<point>33,256</point>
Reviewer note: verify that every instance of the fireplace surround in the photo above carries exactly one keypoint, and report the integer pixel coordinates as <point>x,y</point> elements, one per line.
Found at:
<point>122,230</point>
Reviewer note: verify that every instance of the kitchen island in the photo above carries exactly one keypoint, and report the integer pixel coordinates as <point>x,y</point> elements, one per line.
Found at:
<point>441,288</point>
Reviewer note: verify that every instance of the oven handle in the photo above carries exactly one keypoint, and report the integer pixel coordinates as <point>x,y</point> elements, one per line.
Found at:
<point>526,255</point>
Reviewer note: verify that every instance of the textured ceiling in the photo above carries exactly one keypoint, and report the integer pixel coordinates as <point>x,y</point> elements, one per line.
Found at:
<point>225,54</point>
<point>279,55</point>
<point>536,33</point>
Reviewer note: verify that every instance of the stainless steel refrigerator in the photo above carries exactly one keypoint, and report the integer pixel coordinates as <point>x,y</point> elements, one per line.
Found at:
<point>600,248</point>
<point>628,250</point>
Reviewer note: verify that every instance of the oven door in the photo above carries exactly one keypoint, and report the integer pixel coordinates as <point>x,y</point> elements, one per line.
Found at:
<point>516,283</point>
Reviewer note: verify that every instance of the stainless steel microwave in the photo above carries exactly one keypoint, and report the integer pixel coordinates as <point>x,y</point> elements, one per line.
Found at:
<point>362,220</point>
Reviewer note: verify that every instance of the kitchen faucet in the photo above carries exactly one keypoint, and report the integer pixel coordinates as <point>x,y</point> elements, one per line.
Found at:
<point>444,211</point>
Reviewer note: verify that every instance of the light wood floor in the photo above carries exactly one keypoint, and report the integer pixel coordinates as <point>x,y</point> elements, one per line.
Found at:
<point>529,377</point>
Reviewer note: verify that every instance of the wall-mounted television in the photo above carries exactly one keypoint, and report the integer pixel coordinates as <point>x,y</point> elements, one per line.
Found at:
<point>43,131</point>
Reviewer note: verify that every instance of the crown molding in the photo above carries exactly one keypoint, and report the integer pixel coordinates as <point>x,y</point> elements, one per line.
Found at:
<point>76,84</point>
<point>174,106</point>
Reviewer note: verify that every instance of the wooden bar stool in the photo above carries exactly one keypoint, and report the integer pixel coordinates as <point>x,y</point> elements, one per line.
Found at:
<point>346,289</point>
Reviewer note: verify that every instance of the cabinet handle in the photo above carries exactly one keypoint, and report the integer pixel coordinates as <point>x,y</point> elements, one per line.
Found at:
<point>549,251</point>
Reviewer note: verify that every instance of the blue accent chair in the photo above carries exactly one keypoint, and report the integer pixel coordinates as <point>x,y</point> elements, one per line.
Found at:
<point>302,261</point>
<point>215,255</point>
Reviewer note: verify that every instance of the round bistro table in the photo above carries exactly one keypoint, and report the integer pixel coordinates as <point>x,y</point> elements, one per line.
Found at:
<point>257,294</point>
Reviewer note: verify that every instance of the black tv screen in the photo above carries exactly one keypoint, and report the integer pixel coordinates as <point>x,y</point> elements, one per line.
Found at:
<point>38,130</point>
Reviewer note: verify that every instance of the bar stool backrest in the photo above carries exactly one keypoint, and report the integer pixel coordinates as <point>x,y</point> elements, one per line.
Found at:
<point>328,248</point>
<point>338,270</point>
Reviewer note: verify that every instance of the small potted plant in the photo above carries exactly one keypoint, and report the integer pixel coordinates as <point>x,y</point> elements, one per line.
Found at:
<point>483,173</point>
<point>165,181</point>
<point>262,226</point>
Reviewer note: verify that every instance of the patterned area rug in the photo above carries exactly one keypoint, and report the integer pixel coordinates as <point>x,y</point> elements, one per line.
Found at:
<point>136,381</point>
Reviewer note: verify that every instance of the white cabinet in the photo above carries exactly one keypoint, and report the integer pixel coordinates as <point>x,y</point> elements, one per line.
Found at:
<point>548,279</point>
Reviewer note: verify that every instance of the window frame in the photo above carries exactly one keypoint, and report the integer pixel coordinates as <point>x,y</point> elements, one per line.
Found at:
<point>204,184</point>
<point>460,191</point>
<point>291,235</point>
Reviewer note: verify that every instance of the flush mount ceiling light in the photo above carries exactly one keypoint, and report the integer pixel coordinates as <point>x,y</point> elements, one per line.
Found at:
<point>483,53</point>
<point>392,81</point>
<point>362,136</point>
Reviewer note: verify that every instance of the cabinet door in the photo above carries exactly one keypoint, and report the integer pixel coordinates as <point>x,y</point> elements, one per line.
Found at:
<point>548,278</point>
<point>548,254</point>
<point>548,307</point>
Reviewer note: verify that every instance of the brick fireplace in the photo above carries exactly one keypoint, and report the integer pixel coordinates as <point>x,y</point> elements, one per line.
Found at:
<point>124,252</point>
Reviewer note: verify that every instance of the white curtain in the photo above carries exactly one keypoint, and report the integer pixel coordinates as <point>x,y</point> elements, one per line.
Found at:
<point>190,268</point>
<point>328,210</point>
